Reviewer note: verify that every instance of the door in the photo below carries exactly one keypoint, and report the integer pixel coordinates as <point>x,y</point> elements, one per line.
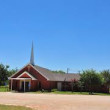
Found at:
<point>59,86</point>
<point>22,86</point>
<point>26,86</point>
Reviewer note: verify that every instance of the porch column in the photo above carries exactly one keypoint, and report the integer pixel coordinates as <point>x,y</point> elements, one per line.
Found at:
<point>24,85</point>
<point>11,84</point>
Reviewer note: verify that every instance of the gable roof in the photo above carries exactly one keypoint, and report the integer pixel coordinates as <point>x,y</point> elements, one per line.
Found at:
<point>49,75</point>
<point>57,76</point>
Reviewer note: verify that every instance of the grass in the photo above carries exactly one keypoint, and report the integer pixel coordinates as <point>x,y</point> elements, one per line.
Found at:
<point>70,93</point>
<point>54,91</point>
<point>9,107</point>
<point>4,88</point>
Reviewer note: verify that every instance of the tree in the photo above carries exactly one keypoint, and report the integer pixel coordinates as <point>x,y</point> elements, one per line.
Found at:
<point>11,72</point>
<point>106,77</point>
<point>90,79</point>
<point>3,74</point>
<point>74,84</point>
<point>59,71</point>
<point>80,86</point>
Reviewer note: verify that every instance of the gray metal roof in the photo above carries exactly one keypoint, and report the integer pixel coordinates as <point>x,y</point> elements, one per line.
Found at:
<point>56,76</point>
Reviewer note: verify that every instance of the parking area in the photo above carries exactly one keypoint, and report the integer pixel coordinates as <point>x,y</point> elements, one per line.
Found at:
<point>56,101</point>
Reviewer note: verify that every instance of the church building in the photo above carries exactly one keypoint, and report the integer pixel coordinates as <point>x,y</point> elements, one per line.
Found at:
<point>33,78</point>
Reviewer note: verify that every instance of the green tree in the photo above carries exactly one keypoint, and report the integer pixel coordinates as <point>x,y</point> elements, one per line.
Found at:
<point>11,72</point>
<point>90,79</point>
<point>74,84</point>
<point>3,74</point>
<point>59,71</point>
<point>106,77</point>
<point>80,86</point>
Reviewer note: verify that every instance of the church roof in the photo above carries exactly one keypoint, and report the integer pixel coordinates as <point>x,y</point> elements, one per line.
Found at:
<point>49,75</point>
<point>56,76</point>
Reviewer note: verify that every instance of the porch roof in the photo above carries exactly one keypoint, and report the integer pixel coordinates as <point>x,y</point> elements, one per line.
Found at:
<point>20,79</point>
<point>30,76</point>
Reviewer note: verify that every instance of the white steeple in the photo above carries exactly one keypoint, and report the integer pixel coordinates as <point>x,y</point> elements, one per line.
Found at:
<point>32,55</point>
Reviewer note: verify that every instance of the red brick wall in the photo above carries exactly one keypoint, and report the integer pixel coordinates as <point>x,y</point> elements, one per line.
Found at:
<point>16,85</point>
<point>34,85</point>
<point>25,76</point>
<point>45,84</point>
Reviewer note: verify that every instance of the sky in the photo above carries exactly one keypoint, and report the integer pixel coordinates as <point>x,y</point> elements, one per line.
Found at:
<point>72,34</point>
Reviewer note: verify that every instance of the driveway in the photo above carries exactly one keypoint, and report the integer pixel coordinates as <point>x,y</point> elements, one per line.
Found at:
<point>56,102</point>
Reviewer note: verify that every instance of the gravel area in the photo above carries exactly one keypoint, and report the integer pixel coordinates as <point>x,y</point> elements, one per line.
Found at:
<point>56,102</point>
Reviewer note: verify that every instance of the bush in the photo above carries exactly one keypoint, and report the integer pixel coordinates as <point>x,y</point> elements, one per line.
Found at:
<point>54,90</point>
<point>91,79</point>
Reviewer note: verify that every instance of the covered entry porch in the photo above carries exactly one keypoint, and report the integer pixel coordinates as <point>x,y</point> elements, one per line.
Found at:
<point>20,84</point>
<point>23,82</point>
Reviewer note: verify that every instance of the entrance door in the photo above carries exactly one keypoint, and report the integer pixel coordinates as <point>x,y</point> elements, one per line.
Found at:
<point>26,86</point>
<point>59,86</point>
<point>22,86</point>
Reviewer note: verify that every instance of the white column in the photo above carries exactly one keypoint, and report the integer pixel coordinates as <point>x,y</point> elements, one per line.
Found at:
<point>24,85</point>
<point>11,84</point>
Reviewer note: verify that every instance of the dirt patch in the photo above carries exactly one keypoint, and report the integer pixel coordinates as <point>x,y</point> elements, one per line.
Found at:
<point>56,102</point>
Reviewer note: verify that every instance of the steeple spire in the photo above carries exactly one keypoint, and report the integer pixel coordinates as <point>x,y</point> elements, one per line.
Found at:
<point>32,55</point>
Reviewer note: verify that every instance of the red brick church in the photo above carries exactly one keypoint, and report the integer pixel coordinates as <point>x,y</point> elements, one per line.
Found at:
<point>33,77</point>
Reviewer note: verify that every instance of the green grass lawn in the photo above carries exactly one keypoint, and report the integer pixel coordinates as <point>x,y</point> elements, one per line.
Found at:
<point>70,93</point>
<point>4,88</point>
<point>78,93</point>
<point>9,107</point>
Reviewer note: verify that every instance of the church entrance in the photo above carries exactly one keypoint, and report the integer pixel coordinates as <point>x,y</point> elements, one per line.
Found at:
<point>25,86</point>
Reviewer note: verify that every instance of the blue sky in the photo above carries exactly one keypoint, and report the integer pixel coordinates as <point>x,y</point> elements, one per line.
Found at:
<point>71,34</point>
